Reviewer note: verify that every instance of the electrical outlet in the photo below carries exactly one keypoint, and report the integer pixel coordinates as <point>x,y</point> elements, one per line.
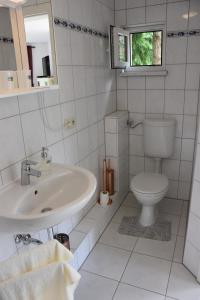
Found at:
<point>69,123</point>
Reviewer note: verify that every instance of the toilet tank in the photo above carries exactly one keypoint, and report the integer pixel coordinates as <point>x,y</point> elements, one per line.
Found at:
<point>159,137</point>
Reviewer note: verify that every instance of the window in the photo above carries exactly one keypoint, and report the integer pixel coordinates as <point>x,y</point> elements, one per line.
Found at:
<point>138,49</point>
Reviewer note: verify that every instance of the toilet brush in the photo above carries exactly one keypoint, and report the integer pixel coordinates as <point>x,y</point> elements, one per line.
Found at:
<point>104,194</point>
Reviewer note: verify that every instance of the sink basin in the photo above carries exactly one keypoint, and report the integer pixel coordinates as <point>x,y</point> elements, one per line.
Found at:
<point>47,201</point>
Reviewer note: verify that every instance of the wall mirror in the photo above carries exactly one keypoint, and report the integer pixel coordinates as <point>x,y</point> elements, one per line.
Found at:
<point>27,47</point>
<point>40,44</point>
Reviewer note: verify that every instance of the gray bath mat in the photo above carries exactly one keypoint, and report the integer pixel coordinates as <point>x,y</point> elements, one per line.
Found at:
<point>160,231</point>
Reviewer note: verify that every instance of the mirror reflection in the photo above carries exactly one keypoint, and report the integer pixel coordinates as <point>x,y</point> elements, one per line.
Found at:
<point>7,50</point>
<point>38,41</point>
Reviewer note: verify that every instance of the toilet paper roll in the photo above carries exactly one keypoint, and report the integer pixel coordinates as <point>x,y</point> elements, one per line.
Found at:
<point>104,199</point>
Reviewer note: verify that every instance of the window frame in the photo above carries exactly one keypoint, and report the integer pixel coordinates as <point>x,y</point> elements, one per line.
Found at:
<point>114,47</point>
<point>141,70</point>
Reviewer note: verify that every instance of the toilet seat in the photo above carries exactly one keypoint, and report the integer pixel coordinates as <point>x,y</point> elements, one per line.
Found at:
<point>149,183</point>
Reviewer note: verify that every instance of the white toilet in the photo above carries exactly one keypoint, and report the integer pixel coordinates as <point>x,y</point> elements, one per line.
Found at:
<point>151,188</point>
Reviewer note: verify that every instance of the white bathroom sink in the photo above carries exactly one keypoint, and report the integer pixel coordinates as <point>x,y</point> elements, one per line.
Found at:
<point>47,201</point>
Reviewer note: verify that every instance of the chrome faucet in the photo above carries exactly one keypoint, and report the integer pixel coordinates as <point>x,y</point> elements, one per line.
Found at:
<point>27,171</point>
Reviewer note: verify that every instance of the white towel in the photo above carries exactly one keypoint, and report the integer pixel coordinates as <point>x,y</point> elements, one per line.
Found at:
<point>56,281</point>
<point>35,258</point>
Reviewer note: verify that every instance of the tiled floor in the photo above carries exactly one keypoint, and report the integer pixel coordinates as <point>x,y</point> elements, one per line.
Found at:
<point>129,268</point>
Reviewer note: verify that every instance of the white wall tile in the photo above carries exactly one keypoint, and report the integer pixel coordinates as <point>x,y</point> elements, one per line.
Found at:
<point>175,21</point>
<point>187,152</point>
<point>136,16</point>
<point>154,101</point>
<point>53,124</point>
<point>79,82</point>
<point>136,164</point>
<point>155,83</point>
<point>192,76</point>
<point>185,171</point>
<point>29,102</point>
<point>57,152</point>
<point>63,46</point>
<point>82,114</point>
<point>136,101</point>
<point>135,3</point>
<point>68,111</point>
<point>136,83</point>
<point>156,13</point>
<point>191,102</point>
<point>189,127</point>
<point>122,101</point>
<point>184,190</point>
<point>61,10</point>
<point>33,131</point>
<point>120,4</point>
<point>194,21</point>
<point>175,79</point>
<point>171,168</point>
<point>83,143</point>
<point>176,50</point>
<point>136,145</point>
<point>174,102</point>
<point>71,149</point>
<point>8,107</point>
<point>155,2</point>
<point>120,17</point>
<point>11,139</point>
<point>193,53</point>
<point>66,83</point>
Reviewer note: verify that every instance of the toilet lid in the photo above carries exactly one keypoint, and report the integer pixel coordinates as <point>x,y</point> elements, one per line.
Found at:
<point>149,183</point>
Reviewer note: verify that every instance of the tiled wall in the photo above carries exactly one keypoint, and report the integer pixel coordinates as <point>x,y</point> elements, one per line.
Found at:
<point>116,135</point>
<point>87,92</point>
<point>173,96</point>
<point>192,245</point>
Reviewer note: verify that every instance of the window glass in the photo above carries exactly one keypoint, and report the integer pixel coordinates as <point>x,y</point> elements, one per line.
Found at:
<point>122,48</point>
<point>146,48</point>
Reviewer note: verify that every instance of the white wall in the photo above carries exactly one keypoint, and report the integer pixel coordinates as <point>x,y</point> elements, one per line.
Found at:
<point>87,92</point>
<point>192,245</point>
<point>174,96</point>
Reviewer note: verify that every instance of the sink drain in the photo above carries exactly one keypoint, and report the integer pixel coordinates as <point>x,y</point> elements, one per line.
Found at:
<point>46,209</point>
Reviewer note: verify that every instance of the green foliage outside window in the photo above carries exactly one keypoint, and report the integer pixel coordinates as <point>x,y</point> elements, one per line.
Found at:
<point>146,48</point>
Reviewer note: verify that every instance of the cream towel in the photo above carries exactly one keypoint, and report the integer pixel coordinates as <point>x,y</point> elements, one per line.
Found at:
<point>56,281</point>
<point>35,258</point>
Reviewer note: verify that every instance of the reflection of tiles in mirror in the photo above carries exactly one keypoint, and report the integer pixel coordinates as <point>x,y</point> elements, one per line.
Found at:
<point>160,231</point>
<point>4,39</point>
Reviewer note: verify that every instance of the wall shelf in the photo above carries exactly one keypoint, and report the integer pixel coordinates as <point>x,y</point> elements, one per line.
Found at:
<point>21,92</point>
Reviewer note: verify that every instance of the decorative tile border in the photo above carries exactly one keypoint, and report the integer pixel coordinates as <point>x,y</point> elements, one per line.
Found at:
<point>79,28</point>
<point>185,33</point>
<point>4,39</point>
